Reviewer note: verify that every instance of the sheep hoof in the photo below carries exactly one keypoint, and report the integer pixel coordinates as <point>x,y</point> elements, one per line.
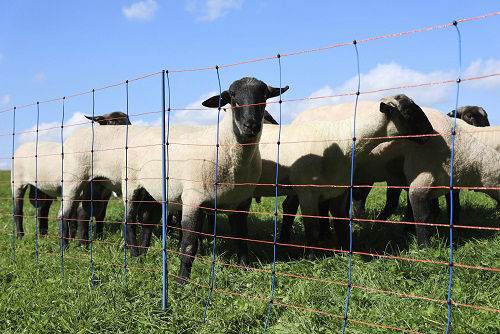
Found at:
<point>180,282</point>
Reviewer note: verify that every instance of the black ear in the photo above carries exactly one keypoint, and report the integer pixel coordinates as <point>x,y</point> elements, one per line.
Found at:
<point>88,117</point>
<point>451,113</point>
<point>268,119</point>
<point>387,108</point>
<point>272,92</point>
<point>213,102</point>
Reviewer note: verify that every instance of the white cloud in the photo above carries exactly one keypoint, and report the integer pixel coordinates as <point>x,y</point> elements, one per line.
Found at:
<point>5,99</point>
<point>208,116</point>
<point>38,77</point>
<point>382,76</point>
<point>51,131</point>
<point>140,11</point>
<point>211,10</point>
<point>480,67</point>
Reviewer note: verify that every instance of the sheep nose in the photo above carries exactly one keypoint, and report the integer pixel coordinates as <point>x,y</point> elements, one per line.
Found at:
<point>252,126</point>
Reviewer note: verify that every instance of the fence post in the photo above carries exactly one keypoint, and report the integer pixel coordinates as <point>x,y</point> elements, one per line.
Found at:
<point>452,157</point>
<point>349,272</point>
<point>273,273</point>
<point>62,222</point>
<point>214,249</point>
<point>12,186</point>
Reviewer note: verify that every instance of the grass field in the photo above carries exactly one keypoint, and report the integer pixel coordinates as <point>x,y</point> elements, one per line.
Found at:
<point>37,299</point>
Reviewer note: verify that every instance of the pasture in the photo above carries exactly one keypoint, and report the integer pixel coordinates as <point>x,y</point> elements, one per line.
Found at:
<point>37,299</point>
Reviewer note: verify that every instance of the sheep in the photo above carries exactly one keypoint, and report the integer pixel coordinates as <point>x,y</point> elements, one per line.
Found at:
<point>400,162</point>
<point>192,170</point>
<point>316,159</point>
<point>49,184</point>
<point>473,115</point>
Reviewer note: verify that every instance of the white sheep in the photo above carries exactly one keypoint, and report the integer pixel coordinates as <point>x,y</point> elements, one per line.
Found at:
<point>192,167</point>
<point>319,153</point>
<point>43,177</point>
<point>404,163</point>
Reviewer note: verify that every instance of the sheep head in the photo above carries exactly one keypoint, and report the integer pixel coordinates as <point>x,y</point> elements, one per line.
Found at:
<point>407,116</point>
<point>113,118</point>
<point>473,115</point>
<point>247,97</point>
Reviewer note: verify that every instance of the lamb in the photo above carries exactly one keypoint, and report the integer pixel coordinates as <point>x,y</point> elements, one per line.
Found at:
<point>321,161</point>
<point>192,170</point>
<point>475,164</point>
<point>48,187</point>
<point>473,115</point>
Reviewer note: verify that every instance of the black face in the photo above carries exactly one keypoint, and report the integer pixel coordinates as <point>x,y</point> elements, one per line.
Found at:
<point>473,115</point>
<point>113,118</point>
<point>247,97</point>
<point>413,117</point>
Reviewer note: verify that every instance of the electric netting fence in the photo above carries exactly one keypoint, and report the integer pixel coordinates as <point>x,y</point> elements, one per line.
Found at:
<point>166,142</point>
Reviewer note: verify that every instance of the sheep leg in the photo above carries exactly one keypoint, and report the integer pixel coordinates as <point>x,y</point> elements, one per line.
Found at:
<point>132,208</point>
<point>18,210</point>
<point>44,202</point>
<point>290,208</point>
<point>391,203</point>
<point>191,221</point>
<point>325,233</point>
<point>99,220</point>
<point>43,219</point>
<point>456,206</point>
<point>309,205</point>
<point>149,214</point>
<point>339,207</point>
<point>359,196</point>
<point>84,220</point>
<point>422,213</point>
<point>239,229</point>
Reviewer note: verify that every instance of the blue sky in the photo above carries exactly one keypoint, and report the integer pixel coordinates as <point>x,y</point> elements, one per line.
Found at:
<point>51,49</point>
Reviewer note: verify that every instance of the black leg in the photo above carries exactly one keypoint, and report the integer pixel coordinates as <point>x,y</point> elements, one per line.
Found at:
<point>290,207</point>
<point>99,224</point>
<point>359,196</point>
<point>239,229</point>
<point>18,210</point>
<point>189,243</point>
<point>391,203</point>
<point>422,213</point>
<point>132,208</point>
<point>43,220</point>
<point>325,233</point>
<point>339,207</point>
<point>83,225</point>
<point>149,214</point>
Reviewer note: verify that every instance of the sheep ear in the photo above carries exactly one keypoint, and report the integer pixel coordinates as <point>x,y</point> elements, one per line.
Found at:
<point>269,119</point>
<point>273,92</point>
<point>387,108</point>
<point>451,113</point>
<point>213,102</point>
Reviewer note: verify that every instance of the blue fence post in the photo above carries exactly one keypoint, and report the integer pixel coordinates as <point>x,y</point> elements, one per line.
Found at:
<point>164,177</point>
<point>92,192</point>
<point>452,157</point>
<point>36,181</point>
<point>214,249</point>
<point>12,186</point>
<point>126,193</point>
<point>350,194</point>
<point>62,222</point>
<point>273,273</point>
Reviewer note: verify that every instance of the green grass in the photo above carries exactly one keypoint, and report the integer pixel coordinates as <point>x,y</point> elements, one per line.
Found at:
<point>37,299</point>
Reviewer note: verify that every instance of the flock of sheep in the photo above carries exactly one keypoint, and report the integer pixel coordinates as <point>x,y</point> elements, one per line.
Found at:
<point>315,152</point>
